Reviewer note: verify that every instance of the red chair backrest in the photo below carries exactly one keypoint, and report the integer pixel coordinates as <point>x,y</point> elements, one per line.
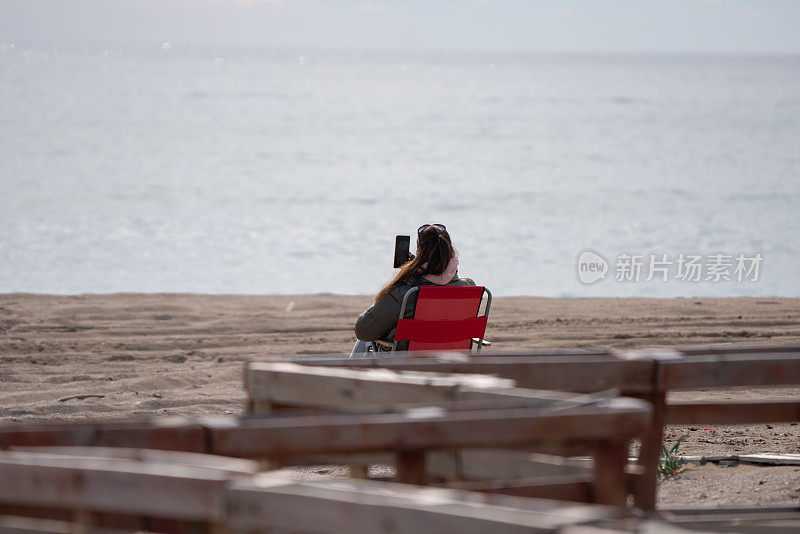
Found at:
<point>445,318</point>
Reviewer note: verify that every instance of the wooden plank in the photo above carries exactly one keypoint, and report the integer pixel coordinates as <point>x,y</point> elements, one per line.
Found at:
<point>466,399</point>
<point>332,387</point>
<point>716,513</point>
<point>286,437</point>
<point>27,525</point>
<point>101,434</point>
<point>11,524</point>
<point>411,467</point>
<point>738,348</point>
<point>709,412</point>
<point>579,373</point>
<point>773,520</point>
<point>434,428</point>
<point>363,459</point>
<point>223,464</point>
<point>532,397</point>
<point>645,486</point>
<point>632,526</point>
<point>360,507</point>
<point>469,464</point>
<point>610,485</point>
<point>112,485</point>
<point>575,488</point>
<point>168,433</point>
<point>486,464</point>
<point>746,369</point>
<point>37,512</point>
<point>359,470</point>
<point>761,459</point>
<point>472,464</point>
<point>771,459</point>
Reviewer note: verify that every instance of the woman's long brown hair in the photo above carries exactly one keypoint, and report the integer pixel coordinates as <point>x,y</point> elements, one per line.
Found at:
<point>434,248</point>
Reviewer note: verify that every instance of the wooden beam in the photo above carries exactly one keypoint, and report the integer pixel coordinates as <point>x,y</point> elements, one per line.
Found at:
<point>287,437</point>
<point>487,464</point>
<point>472,464</point>
<point>731,413</point>
<point>167,433</point>
<point>645,486</point>
<point>361,507</point>
<point>434,428</point>
<point>746,369</point>
<point>568,372</point>
<point>576,488</point>
<point>335,387</point>
<point>231,466</point>
<point>777,520</point>
<point>716,513</point>
<point>411,467</point>
<point>610,484</point>
<point>738,348</point>
<point>28,525</point>
<point>158,489</point>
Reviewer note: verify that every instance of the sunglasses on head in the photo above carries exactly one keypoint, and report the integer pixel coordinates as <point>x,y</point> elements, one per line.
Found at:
<point>439,227</point>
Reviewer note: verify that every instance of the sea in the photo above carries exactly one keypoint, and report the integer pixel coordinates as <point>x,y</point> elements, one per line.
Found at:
<point>250,171</point>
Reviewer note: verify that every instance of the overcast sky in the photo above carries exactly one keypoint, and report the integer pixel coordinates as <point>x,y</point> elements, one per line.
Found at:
<point>706,26</point>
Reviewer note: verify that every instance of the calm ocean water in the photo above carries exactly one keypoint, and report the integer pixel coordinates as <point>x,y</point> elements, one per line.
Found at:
<point>242,171</point>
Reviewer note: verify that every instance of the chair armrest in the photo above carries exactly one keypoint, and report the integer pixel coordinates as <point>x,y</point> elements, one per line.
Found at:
<point>483,342</point>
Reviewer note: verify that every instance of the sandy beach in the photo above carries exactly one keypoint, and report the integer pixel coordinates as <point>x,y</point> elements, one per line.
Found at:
<point>176,354</point>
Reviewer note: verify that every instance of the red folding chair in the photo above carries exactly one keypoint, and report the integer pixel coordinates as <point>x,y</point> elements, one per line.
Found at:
<point>445,318</point>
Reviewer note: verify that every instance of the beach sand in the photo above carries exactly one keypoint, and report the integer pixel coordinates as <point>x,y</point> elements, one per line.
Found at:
<point>182,355</point>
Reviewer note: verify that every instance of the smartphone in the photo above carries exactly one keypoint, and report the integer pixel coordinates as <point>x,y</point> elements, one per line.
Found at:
<point>401,249</point>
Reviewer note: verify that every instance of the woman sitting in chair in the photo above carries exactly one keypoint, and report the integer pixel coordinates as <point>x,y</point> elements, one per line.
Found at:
<point>435,263</point>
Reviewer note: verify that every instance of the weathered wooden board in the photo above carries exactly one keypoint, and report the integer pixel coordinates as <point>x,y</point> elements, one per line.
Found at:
<point>568,372</point>
<point>699,367</point>
<point>631,526</point>
<point>756,411</point>
<point>737,348</point>
<point>158,489</point>
<point>287,437</point>
<point>27,525</point>
<point>487,464</point>
<point>575,488</point>
<point>222,464</point>
<point>290,384</point>
<point>526,396</point>
<point>10,524</point>
<point>743,369</point>
<point>757,520</point>
<point>432,428</point>
<point>167,433</point>
<point>360,506</point>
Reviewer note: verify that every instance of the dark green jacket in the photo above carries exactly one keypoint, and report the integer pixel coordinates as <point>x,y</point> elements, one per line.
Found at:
<point>379,321</point>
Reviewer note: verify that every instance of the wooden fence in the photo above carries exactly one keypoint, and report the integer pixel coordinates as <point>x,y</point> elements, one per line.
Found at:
<point>99,490</point>
<point>468,422</point>
<point>645,373</point>
<point>603,428</point>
